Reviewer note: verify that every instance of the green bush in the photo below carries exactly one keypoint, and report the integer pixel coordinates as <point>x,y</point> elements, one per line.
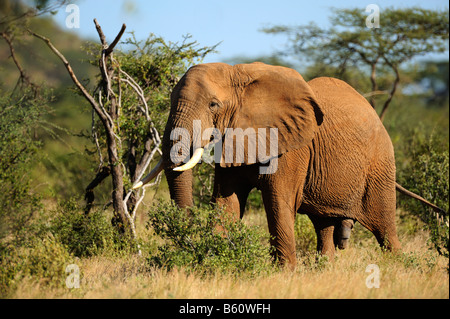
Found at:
<point>207,240</point>
<point>20,117</point>
<point>44,261</point>
<point>86,235</point>
<point>305,235</point>
<point>428,175</point>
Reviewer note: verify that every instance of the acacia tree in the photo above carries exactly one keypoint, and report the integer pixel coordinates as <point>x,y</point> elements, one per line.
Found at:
<point>130,104</point>
<point>402,35</point>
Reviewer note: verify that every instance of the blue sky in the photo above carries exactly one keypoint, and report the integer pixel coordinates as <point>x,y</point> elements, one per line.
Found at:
<point>235,23</point>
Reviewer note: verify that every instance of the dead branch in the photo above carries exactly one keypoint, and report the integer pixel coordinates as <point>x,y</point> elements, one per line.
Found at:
<point>74,78</point>
<point>108,48</point>
<point>89,196</point>
<point>97,144</point>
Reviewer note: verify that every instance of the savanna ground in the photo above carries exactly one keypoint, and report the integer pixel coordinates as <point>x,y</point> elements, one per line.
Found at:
<point>416,272</point>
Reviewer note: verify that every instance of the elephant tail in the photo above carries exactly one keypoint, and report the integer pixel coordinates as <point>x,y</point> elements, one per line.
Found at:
<point>406,192</point>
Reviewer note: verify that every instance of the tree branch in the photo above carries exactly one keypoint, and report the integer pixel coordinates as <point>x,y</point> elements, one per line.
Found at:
<point>393,89</point>
<point>101,34</point>
<point>83,90</point>
<point>114,160</point>
<point>23,76</point>
<point>104,172</point>
<point>108,48</point>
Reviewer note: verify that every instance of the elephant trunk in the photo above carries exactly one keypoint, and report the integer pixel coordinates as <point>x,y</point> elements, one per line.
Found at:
<point>180,187</point>
<point>180,182</point>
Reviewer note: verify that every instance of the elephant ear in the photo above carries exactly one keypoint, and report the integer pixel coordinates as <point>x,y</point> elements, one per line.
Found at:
<point>277,111</point>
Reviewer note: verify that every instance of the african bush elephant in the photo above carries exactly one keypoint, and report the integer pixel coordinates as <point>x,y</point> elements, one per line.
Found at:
<point>334,160</point>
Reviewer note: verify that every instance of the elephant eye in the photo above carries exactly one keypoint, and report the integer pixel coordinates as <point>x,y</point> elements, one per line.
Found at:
<point>214,104</point>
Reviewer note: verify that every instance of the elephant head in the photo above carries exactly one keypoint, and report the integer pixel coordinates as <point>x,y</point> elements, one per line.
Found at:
<point>246,97</point>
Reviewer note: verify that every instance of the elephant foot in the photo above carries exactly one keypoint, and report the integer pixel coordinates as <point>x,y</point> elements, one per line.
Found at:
<point>288,261</point>
<point>344,230</point>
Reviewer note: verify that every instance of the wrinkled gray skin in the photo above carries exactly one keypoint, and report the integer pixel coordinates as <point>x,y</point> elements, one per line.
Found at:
<point>336,161</point>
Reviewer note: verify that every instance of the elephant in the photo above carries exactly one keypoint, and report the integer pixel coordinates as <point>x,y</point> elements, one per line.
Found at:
<point>333,158</point>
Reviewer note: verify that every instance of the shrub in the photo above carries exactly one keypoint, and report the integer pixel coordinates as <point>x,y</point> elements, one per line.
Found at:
<point>305,235</point>
<point>86,235</point>
<point>20,117</point>
<point>207,240</point>
<point>428,175</point>
<point>45,261</point>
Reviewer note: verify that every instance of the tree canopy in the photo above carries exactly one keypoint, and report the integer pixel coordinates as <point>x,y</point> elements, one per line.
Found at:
<point>402,35</point>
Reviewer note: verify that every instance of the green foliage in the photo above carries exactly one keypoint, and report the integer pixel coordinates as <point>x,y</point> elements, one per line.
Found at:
<point>403,33</point>
<point>19,151</point>
<point>377,53</point>
<point>207,240</point>
<point>203,184</point>
<point>305,235</point>
<point>428,175</point>
<point>254,200</point>
<point>44,261</point>
<point>86,235</point>
<point>421,153</point>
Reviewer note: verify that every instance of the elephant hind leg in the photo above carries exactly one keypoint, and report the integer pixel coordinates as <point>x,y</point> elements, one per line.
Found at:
<point>379,217</point>
<point>387,238</point>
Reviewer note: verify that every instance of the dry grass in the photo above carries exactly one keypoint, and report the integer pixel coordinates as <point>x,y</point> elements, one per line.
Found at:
<point>415,273</point>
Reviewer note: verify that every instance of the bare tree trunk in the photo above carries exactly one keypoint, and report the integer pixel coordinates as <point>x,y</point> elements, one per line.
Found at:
<point>117,182</point>
<point>114,160</point>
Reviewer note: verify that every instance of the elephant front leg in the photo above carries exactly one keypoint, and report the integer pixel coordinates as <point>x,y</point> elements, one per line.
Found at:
<point>231,191</point>
<point>325,230</point>
<point>280,219</point>
<point>233,204</point>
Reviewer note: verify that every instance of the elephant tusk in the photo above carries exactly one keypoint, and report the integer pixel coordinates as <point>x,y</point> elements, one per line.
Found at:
<point>155,171</point>
<point>192,162</point>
